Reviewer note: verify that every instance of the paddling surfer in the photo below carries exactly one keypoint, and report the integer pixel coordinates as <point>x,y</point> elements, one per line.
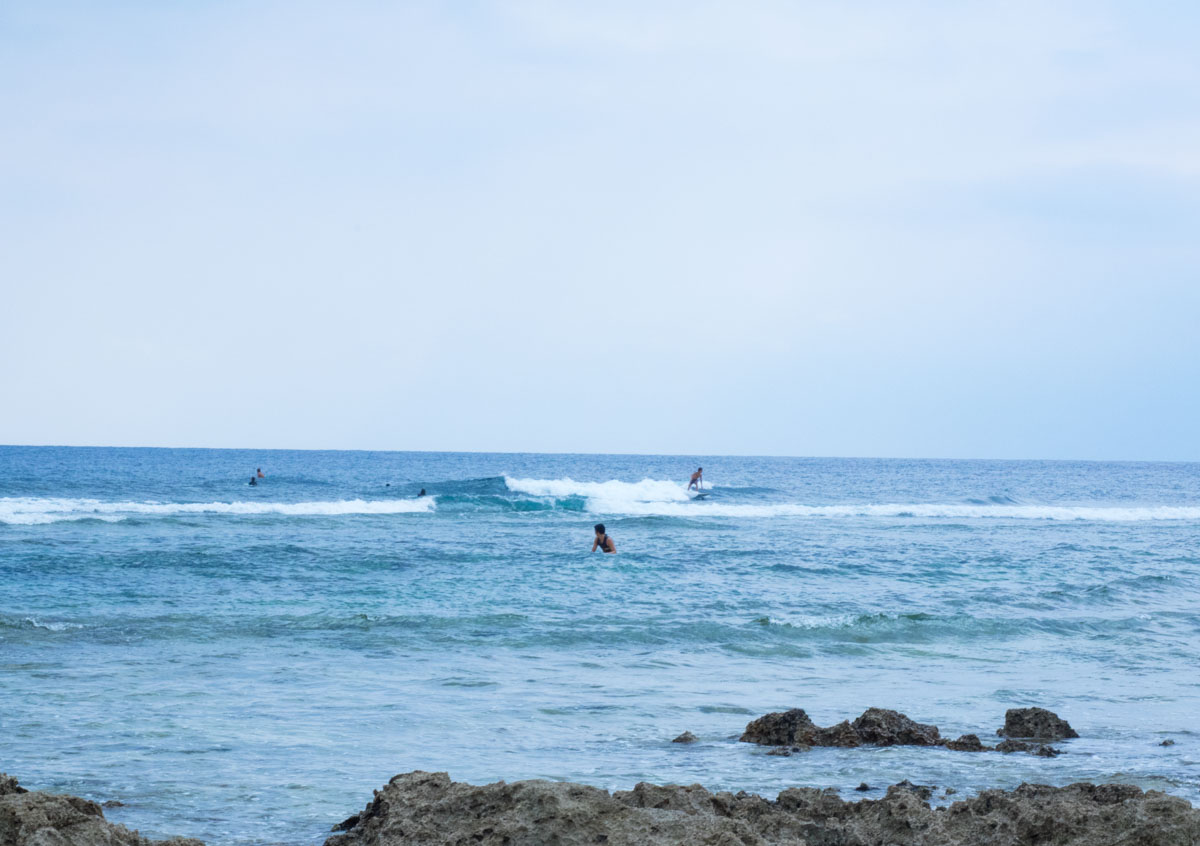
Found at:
<point>602,540</point>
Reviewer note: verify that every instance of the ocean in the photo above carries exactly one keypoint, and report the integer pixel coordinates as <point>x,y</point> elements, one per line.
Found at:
<point>245,664</point>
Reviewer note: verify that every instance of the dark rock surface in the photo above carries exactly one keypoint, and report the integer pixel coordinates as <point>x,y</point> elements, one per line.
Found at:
<point>1039,749</point>
<point>967,743</point>
<point>429,809</point>
<point>876,727</point>
<point>1035,724</point>
<point>686,737</point>
<point>34,818</point>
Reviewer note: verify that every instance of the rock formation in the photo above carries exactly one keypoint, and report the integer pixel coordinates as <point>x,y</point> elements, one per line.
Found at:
<point>429,809</point>
<point>876,727</point>
<point>1035,724</point>
<point>35,818</point>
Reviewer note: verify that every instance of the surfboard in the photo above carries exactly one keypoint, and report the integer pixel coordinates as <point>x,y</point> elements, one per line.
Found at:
<point>699,494</point>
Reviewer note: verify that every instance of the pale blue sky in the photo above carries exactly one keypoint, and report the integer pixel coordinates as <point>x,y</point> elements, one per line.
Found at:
<point>899,229</point>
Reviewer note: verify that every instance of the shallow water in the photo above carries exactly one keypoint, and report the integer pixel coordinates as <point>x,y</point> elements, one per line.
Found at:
<point>245,664</point>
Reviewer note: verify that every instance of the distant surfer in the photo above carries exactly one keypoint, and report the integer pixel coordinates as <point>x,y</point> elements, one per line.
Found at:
<point>697,479</point>
<point>260,473</point>
<point>603,542</point>
<point>253,481</point>
<point>421,494</point>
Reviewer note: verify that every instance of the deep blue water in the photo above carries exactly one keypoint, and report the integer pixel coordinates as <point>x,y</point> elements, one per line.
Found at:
<point>245,664</point>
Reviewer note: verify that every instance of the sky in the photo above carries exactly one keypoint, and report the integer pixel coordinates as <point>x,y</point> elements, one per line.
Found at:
<point>908,229</point>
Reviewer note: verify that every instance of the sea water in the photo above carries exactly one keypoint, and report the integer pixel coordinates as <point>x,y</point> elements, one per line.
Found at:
<point>244,664</point>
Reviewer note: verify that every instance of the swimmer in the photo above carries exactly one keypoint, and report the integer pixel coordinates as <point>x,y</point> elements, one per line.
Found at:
<point>602,540</point>
<point>260,473</point>
<point>252,481</point>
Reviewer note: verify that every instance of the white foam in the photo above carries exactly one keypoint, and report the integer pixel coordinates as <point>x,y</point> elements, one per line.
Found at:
<point>33,511</point>
<point>647,490</point>
<point>918,511</point>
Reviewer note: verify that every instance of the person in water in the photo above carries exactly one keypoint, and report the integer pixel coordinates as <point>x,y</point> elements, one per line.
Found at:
<point>260,473</point>
<point>253,481</point>
<point>603,541</point>
<point>697,479</point>
<point>421,494</point>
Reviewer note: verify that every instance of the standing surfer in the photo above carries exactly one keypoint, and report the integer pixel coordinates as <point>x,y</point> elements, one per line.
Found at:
<point>697,479</point>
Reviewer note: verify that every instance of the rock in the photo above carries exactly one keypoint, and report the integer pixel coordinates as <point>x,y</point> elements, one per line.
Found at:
<point>35,818</point>
<point>346,824</point>
<point>429,809</point>
<point>686,737</point>
<point>780,729</point>
<point>949,791</point>
<point>8,785</point>
<point>924,791</point>
<point>881,727</point>
<point>781,751</point>
<point>876,727</point>
<point>967,743</point>
<point>1167,743</point>
<point>112,803</point>
<point>863,787</point>
<point>1039,749</point>
<point>1014,746</point>
<point>1035,724</point>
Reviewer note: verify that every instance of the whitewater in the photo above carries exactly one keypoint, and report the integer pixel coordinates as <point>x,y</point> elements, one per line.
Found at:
<point>196,648</point>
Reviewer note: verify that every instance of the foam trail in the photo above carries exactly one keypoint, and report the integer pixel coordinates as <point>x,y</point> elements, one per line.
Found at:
<point>647,490</point>
<point>33,511</point>
<point>1099,514</point>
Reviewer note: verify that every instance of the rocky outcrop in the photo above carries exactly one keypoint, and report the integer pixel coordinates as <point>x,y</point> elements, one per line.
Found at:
<point>1035,724</point>
<point>876,727</point>
<point>429,809</point>
<point>967,743</point>
<point>1039,749</point>
<point>780,729</point>
<point>686,737</point>
<point>34,818</point>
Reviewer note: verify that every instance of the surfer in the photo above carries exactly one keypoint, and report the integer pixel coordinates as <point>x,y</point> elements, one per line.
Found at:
<point>697,479</point>
<point>603,541</point>
<point>421,494</point>
<point>260,473</point>
<point>252,481</point>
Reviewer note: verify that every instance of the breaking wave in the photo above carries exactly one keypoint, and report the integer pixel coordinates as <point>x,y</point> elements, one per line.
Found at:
<point>659,498</point>
<point>34,511</point>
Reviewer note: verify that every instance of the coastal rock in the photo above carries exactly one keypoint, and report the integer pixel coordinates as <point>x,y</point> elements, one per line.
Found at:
<point>686,737</point>
<point>780,729</point>
<point>924,791</point>
<point>430,809</point>
<point>1035,724</point>
<point>35,818</point>
<point>881,727</point>
<point>1167,743</point>
<point>967,743</point>
<point>863,787</point>
<point>1039,749</point>
<point>876,727</point>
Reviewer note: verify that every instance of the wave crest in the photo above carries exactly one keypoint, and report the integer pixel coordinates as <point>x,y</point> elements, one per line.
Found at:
<point>34,511</point>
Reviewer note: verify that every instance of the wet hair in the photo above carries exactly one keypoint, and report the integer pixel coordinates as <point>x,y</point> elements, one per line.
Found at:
<point>599,528</point>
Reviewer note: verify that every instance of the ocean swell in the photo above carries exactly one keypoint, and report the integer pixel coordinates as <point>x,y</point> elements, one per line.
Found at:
<point>34,510</point>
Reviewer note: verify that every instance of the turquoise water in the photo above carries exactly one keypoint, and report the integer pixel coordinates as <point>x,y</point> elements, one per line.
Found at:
<point>246,664</point>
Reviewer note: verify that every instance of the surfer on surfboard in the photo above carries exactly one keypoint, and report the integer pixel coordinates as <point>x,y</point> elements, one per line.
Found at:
<point>697,479</point>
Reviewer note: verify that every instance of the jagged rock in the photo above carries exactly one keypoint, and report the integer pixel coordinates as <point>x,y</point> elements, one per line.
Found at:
<point>1167,743</point>
<point>112,803</point>
<point>881,727</point>
<point>781,751</point>
<point>925,791</point>
<point>686,737</point>
<point>346,824</point>
<point>876,727</point>
<point>1035,724</point>
<point>8,785</point>
<point>1039,749</point>
<point>843,734</point>
<point>949,791</point>
<point>780,729</point>
<point>35,818</point>
<point>863,787</point>
<point>429,809</point>
<point>967,743</point>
